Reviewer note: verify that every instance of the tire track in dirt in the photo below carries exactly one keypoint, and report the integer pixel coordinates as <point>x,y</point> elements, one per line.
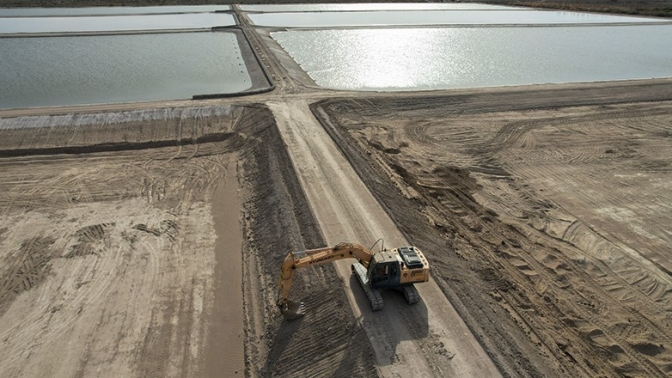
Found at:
<point>124,281</point>
<point>346,212</point>
<point>624,349</point>
<point>543,267</point>
<point>527,270</point>
<point>327,341</point>
<point>25,268</point>
<point>366,164</point>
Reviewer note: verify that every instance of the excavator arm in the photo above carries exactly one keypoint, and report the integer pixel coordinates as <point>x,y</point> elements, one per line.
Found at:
<point>313,257</point>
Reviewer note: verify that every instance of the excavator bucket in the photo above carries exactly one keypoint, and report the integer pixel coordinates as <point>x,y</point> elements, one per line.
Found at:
<point>293,310</point>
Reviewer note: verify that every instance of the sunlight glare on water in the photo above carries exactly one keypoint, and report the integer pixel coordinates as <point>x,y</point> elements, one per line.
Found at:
<point>441,58</point>
<point>399,52</point>
<point>386,58</point>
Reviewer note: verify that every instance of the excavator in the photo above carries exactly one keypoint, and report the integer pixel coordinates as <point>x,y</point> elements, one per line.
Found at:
<point>398,269</point>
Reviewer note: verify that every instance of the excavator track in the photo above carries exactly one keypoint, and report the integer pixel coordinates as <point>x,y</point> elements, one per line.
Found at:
<point>375,299</point>
<point>411,294</point>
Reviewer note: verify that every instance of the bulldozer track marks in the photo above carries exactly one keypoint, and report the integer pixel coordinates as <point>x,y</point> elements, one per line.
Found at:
<point>87,237</point>
<point>123,226</point>
<point>25,268</point>
<point>527,267</point>
<point>538,258</point>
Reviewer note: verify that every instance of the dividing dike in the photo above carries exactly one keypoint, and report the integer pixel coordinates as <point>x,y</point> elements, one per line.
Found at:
<point>422,340</point>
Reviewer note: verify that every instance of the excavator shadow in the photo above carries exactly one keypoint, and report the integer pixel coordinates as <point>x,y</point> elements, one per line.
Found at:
<point>327,338</point>
<point>396,322</point>
<point>325,330</point>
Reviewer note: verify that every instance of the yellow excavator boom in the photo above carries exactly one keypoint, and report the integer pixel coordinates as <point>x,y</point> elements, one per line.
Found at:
<point>399,269</point>
<point>314,257</point>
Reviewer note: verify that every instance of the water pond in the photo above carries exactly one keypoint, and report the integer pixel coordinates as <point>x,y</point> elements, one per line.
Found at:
<point>439,17</point>
<point>103,11</point>
<point>51,71</point>
<point>367,7</point>
<point>94,24</point>
<point>442,58</point>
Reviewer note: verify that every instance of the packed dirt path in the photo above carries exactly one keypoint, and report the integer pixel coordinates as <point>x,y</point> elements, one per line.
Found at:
<point>427,339</point>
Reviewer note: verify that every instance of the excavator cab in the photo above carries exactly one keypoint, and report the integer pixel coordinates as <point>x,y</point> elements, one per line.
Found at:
<point>384,270</point>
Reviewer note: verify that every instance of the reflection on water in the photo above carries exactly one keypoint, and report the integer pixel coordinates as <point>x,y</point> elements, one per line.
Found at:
<point>103,69</point>
<point>438,17</point>
<point>440,58</point>
<point>93,11</point>
<point>115,23</point>
<point>366,7</point>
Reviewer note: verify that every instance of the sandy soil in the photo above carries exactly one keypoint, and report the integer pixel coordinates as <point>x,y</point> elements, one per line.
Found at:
<point>146,241</point>
<point>545,213</point>
<point>543,210</point>
<point>107,264</point>
<point>122,235</point>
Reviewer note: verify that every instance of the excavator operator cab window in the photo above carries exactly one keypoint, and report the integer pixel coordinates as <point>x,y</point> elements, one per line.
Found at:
<point>386,270</point>
<point>385,274</point>
<point>381,272</point>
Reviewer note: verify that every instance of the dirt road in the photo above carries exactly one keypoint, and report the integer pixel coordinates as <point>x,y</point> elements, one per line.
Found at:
<point>429,339</point>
